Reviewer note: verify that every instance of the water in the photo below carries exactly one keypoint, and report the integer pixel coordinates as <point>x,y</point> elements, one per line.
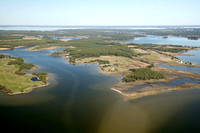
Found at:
<point>195,58</point>
<point>171,40</point>
<point>75,92</point>
<point>172,83</point>
<point>183,68</point>
<point>79,100</point>
<point>178,81</point>
<point>34,79</point>
<point>136,88</point>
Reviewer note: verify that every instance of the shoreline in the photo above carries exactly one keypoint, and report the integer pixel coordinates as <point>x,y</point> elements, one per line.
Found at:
<point>30,89</point>
<point>27,90</point>
<point>49,48</point>
<point>10,92</point>
<point>14,47</point>
<point>171,74</point>
<point>162,89</point>
<point>129,96</point>
<point>153,89</point>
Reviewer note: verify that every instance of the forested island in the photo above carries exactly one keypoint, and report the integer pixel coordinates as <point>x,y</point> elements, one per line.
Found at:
<point>136,62</point>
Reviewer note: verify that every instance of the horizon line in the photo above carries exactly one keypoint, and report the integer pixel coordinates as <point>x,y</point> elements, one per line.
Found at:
<point>101,25</point>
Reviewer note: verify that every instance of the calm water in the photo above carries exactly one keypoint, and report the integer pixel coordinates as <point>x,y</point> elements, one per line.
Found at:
<point>172,83</point>
<point>171,40</point>
<point>79,100</point>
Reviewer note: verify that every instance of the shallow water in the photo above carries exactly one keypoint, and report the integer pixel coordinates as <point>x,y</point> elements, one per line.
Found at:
<point>79,100</point>
<point>183,68</point>
<point>178,81</point>
<point>56,38</point>
<point>172,83</point>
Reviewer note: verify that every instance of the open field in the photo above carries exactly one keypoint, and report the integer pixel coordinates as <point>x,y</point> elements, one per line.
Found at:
<point>16,83</point>
<point>120,64</point>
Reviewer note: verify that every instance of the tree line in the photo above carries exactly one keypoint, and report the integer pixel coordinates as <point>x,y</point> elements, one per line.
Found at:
<point>142,74</point>
<point>22,66</point>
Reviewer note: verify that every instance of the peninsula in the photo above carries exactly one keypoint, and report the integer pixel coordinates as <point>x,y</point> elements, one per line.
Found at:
<point>14,80</point>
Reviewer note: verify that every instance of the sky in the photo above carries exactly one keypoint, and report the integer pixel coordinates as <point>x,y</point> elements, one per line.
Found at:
<point>100,12</point>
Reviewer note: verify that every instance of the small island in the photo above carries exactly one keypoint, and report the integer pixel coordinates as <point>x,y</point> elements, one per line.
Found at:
<point>14,80</point>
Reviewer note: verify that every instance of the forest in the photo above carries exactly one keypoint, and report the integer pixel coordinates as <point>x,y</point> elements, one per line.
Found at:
<point>95,47</point>
<point>100,61</point>
<point>142,74</point>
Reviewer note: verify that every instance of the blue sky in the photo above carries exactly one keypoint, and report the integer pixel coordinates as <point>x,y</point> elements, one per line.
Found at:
<point>99,12</point>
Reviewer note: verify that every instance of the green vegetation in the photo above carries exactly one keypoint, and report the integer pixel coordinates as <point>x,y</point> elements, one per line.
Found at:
<point>96,47</point>
<point>42,76</point>
<point>44,43</point>
<point>3,37</point>
<point>4,56</point>
<point>142,74</point>
<point>10,82</point>
<point>3,88</point>
<point>100,61</point>
<point>163,48</point>
<point>22,66</point>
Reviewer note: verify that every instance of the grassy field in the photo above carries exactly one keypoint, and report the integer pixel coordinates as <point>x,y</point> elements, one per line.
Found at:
<point>119,63</point>
<point>15,83</point>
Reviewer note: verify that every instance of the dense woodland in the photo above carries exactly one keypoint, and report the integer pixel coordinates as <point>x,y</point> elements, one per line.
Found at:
<point>100,61</point>
<point>142,74</point>
<point>94,47</point>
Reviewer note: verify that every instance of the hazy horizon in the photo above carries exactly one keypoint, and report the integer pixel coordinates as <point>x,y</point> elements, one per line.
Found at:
<point>103,25</point>
<point>100,13</point>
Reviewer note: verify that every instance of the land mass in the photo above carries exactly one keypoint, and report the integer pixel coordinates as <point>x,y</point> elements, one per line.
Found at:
<point>135,57</point>
<point>106,48</point>
<point>14,80</point>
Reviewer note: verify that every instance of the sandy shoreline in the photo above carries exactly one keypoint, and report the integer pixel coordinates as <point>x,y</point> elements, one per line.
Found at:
<point>14,47</point>
<point>160,89</point>
<point>49,48</point>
